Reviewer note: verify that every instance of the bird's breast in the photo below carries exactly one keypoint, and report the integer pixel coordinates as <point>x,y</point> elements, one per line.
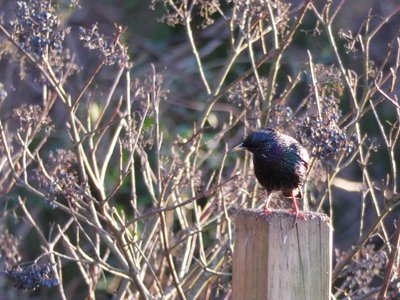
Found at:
<point>274,173</point>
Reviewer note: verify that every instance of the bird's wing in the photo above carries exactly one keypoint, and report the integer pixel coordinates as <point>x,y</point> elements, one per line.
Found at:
<point>296,149</point>
<point>300,152</point>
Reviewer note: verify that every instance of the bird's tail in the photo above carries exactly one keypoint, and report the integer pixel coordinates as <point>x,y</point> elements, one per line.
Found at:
<point>297,193</point>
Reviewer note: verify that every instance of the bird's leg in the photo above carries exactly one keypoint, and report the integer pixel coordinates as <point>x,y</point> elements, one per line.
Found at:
<point>295,210</point>
<point>266,210</point>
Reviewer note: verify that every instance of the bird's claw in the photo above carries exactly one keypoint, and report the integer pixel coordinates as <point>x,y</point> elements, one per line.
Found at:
<point>266,211</point>
<point>297,214</point>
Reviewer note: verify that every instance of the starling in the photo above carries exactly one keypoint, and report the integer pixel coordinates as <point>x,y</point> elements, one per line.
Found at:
<point>280,164</point>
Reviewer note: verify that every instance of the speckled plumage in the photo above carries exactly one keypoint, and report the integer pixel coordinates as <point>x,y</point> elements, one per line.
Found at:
<point>280,162</point>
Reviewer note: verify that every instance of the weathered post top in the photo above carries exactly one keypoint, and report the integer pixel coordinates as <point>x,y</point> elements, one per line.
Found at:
<point>273,260</point>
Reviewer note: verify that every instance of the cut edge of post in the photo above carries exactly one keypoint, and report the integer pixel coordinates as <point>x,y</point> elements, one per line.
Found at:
<point>283,213</point>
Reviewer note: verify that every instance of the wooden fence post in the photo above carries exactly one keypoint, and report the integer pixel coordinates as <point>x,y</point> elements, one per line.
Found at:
<point>274,261</point>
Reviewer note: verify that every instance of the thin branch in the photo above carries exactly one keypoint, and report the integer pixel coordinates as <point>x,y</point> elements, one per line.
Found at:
<point>392,259</point>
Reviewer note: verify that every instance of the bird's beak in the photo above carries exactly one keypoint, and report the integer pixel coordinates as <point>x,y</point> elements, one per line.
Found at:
<point>237,148</point>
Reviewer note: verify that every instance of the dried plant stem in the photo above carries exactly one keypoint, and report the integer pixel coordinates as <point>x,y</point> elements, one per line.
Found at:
<point>363,163</point>
<point>340,265</point>
<point>46,245</point>
<point>254,67</point>
<point>277,56</point>
<point>314,83</point>
<point>200,67</point>
<point>143,193</point>
<point>392,259</point>
<point>328,28</point>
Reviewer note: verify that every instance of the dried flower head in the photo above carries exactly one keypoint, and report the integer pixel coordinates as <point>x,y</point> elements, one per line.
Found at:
<point>3,93</point>
<point>147,93</point>
<point>9,247</point>
<point>31,116</point>
<point>350,40</point>
<point>257,8</point>
<point>280,116</point>
<point>247,93</point>
<point>325,138</point>
<point>37,28</point>
<point>318,128</point>
<point>31,277</point>
<point>111,50</point>
<point>206,9</point>
<point>246,13</point>
<point>60,161</point>
<point>367,265</point>
<point>176,169</point>
<point>176,12</point>
<point>69,188</point>
<point>281,13</point>
<point>329,80</point>
<point>63,181</point>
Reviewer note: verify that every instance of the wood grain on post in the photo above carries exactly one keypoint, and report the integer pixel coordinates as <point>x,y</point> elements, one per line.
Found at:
<point>273,260</point>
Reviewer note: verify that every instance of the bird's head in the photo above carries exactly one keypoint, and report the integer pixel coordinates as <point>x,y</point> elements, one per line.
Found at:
<point>258,141</point>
